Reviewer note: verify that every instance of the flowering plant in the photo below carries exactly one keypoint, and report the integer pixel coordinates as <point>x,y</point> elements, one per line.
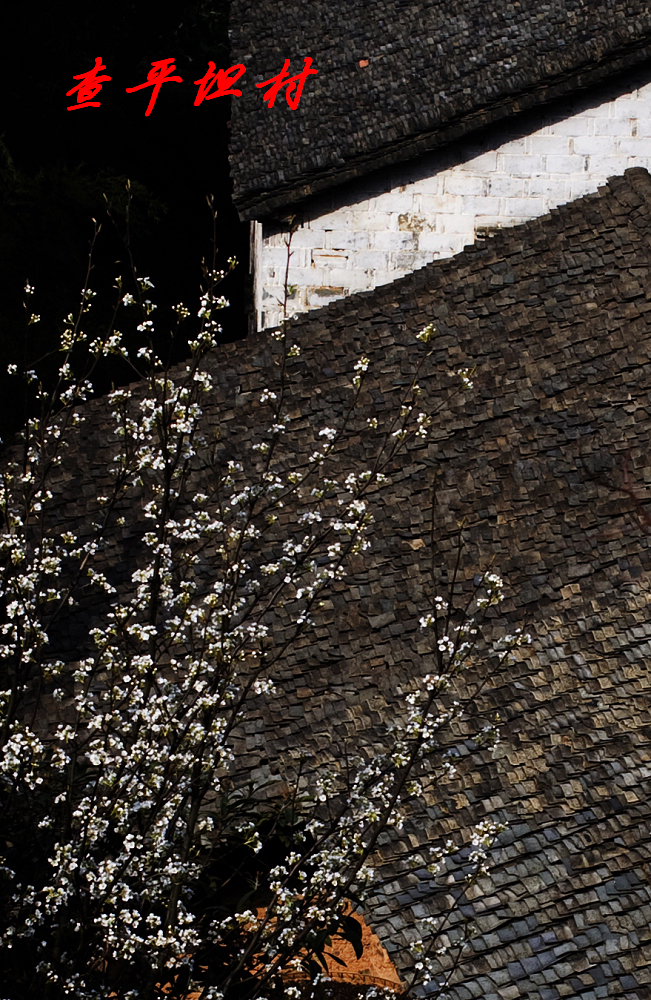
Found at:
<point>147,855</point>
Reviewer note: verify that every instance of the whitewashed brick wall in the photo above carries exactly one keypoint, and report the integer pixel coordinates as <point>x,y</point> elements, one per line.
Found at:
<point>433,208</point>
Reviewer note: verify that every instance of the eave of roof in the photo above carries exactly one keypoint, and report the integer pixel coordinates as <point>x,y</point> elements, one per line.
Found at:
<point>432,78</point>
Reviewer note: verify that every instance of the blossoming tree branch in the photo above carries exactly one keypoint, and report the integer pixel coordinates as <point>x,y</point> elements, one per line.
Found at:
<point>143,856</point>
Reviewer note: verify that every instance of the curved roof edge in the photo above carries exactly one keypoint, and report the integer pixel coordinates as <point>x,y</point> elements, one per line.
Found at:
<point>430,77</point>
<point>259,204</point>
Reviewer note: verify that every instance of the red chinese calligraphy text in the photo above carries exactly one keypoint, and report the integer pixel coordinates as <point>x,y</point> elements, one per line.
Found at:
<point>159,74</point>
<point>90,86</point>
<point>223,79</point>
<point>294,84</point>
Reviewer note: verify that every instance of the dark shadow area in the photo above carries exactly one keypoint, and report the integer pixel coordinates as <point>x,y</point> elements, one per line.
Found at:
<point>56,166</point>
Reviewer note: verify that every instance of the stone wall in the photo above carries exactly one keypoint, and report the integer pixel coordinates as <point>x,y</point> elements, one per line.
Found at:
<point>382,228</point>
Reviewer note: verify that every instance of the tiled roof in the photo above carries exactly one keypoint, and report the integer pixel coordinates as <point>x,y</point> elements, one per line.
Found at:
<point>548,463</point>
<point>398,77</point>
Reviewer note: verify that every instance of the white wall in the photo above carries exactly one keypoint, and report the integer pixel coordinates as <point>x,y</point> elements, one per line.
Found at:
<point>382,230</point>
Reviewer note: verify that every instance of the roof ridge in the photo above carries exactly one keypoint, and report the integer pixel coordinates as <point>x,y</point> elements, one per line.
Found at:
<point>631,189</point>
<point>639,179</point>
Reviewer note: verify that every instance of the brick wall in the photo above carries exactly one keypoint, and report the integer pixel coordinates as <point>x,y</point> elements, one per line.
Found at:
<point>383,228</point>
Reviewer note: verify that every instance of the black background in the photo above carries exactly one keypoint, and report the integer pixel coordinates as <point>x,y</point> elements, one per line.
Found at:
<point>56,165</point>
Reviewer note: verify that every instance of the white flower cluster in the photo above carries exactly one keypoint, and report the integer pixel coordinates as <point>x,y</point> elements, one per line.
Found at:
<point>138,791</point>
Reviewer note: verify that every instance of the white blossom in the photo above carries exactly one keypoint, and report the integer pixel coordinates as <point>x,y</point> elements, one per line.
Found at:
<point>151,770</point>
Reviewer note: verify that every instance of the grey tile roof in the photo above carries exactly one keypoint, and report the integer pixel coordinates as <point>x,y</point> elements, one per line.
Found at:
<point>556,316</point>
<point>435,72</point>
